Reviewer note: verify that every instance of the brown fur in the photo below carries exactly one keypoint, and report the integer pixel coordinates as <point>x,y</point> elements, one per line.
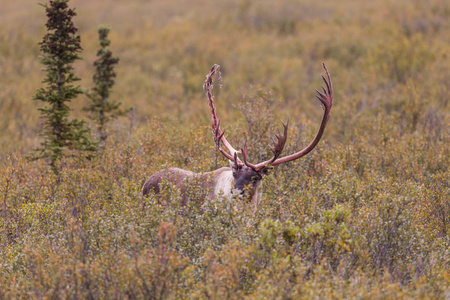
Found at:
<point>243,180</point>
<point>179,177</point>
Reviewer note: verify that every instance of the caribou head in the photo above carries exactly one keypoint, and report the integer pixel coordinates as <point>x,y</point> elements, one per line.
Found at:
<point>242,178</point>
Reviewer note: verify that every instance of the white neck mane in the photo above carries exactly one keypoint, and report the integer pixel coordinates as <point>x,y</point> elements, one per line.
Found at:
<point>224,183</point>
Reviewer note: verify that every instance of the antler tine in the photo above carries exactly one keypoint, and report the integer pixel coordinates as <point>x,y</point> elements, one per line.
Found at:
<point>278,144</point>
<point>327,94</point>
<point>244,156</point>
<point>218,134</point>
<point>328,82</point>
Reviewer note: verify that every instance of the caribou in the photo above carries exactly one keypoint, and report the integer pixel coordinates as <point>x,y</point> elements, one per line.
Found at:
<point>242,179</point>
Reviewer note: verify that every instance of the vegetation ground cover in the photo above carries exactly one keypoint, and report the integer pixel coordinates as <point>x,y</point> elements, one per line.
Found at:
<point>365,215</point>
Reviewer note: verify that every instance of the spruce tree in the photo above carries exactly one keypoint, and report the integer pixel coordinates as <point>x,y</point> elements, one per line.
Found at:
<point>60,47</point>
<point>101,108</point>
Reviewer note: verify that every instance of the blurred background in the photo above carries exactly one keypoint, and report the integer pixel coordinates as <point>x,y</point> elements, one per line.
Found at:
<point>388,60</point>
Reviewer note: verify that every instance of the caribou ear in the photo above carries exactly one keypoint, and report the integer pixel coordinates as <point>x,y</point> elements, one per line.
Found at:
<point>234,168</point>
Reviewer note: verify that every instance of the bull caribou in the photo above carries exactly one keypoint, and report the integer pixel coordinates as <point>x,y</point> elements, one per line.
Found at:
<point>242,178</point>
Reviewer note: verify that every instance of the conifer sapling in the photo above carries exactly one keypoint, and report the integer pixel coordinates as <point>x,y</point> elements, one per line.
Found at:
<point>101,108</point>
<point>60,47</point>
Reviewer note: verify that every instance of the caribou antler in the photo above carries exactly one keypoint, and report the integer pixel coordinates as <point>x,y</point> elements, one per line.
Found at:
<point>279,140</point>
<point>218,134</point>
<point>326,99</point>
